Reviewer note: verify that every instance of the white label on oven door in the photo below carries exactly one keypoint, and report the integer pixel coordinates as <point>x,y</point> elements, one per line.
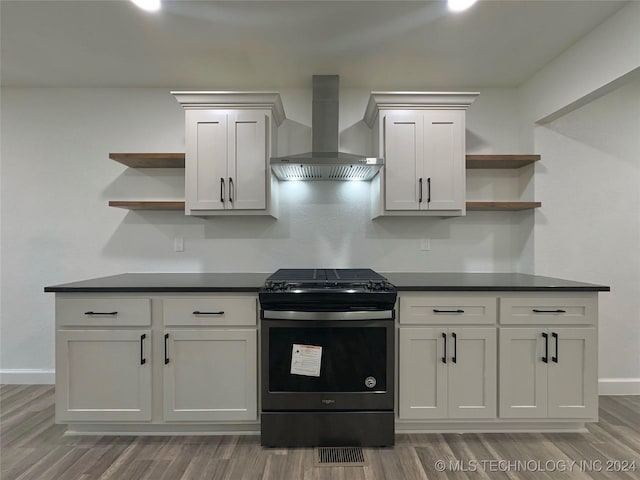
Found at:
<point>306,360</point>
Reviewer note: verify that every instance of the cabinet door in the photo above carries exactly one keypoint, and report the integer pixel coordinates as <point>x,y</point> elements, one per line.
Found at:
<point>103,375</point>
<point>210,375</point>
<point>206,160</point>
<point>572,373</point>
<point>423,374</point>
<point>472,373</point>
<point>247,164</point>
<point>523,374</point>
<point>403,161</point>
<point>444,162</point>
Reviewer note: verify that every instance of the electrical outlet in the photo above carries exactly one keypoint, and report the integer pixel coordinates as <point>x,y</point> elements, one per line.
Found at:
<point>425,244</point>
<point>178,244</point>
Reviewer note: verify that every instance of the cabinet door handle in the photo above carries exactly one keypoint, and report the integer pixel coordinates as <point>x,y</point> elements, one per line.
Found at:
<point>555,337</point>
<point>429,190</point>
<point>221,190</point>
<point>198,312</point>
<point>420,190</point>
<point>545,359</point>
<point>454,358</point>
<point>444,336</point>
<point>142,359</point>
<point>435,310</point>
<point>100,313</point>
<point>231,192</point>
<point>166,348</point>
<point>559,310</point>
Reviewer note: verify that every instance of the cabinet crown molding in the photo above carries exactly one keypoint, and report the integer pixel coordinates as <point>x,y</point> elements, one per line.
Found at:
<point>193,100</point>
<point>416,100</point>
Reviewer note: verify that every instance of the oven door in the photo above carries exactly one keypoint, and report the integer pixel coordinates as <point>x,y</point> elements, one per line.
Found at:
<point>327,361</point>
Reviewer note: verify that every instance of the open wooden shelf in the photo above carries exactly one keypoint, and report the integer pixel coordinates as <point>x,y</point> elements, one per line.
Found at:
<point>149,160</point>
<point>147,204</point>
<point>503,205</point>
<point>500,161</point>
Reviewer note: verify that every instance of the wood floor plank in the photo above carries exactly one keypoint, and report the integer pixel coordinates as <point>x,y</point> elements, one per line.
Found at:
<point>26,400</point>
<point>9,391</point>
<point>34,447</point>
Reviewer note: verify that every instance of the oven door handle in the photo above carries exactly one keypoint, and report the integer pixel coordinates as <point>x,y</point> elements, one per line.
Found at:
<point>324,316</point>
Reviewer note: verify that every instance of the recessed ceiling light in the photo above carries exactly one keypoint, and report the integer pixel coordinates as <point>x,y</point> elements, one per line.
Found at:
<point>148,5</point>
<point>459,5</point>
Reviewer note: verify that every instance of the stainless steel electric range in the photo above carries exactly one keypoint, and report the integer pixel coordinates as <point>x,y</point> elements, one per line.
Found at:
<point>327,351</point>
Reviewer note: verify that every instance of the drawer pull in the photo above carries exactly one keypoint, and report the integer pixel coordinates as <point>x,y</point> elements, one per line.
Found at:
<point>166,348</point>
<point>142,359</point>
<point>198,312</point>
<point>444,336</point>
<point>559,310</point>
<point>545,359</point>
<point>100,313</point>
<point>435,310</point>
<point>555,336</point>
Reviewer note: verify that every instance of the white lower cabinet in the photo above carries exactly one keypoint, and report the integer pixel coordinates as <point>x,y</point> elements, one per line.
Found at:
<point>204,367</point>
<point>548,373</point>
<point>447,373</point>
<point>103,375</point>
<point>210,375</point>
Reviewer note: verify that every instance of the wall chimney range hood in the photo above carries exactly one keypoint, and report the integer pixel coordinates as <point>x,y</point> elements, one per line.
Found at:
<point>325,162</point>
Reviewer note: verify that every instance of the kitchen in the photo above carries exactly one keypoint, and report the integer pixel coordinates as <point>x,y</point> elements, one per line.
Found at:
<point>58,179</point>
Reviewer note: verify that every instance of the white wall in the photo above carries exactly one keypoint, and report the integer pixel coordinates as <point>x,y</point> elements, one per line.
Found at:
<point>589,229</point>
<point>57,227</point>
<point>595,65</point>
<point>588,180</point>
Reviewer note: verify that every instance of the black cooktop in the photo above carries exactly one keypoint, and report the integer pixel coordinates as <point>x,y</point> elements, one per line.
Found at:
<point>327,289</point>
<point>339,275</point>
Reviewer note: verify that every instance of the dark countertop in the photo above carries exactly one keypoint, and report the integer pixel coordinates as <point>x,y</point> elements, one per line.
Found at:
<point>167,282</point>
<point>251,282</point>
<point>487,282</point>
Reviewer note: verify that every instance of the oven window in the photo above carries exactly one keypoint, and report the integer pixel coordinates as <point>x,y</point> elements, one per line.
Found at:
<point>350,357</point>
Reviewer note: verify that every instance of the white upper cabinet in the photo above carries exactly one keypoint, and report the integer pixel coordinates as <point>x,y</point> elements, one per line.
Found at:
<point>229,139</point>
<point>421,136</point>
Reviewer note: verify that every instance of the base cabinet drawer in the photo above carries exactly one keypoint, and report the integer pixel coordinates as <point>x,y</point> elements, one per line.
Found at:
<point>210,311</point>
<point>565,308</point>
<point>447,308</point>
<point>103,312</point>
<point>103,375</point>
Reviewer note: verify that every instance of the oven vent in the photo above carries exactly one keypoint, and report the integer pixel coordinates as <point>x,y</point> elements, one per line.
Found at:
<point>339,457</point>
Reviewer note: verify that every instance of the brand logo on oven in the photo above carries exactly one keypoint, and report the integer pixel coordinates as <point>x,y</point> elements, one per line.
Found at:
<point>328,401</point>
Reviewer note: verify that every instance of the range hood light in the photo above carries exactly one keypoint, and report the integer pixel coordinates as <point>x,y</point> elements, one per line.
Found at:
<point>148,5</point>
<point>460,5</point>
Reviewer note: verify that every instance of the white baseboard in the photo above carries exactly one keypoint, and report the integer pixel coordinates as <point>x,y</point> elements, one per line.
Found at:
<point>27,376</point>
<point>619,386</point>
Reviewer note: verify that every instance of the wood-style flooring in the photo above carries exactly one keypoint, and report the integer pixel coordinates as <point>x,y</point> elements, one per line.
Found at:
<point>34,448</point>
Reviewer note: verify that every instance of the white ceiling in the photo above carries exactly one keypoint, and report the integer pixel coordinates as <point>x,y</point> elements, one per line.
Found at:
<point>253,45</point>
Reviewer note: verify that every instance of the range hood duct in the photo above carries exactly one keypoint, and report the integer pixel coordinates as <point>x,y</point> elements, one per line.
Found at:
<point>325,162</point>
